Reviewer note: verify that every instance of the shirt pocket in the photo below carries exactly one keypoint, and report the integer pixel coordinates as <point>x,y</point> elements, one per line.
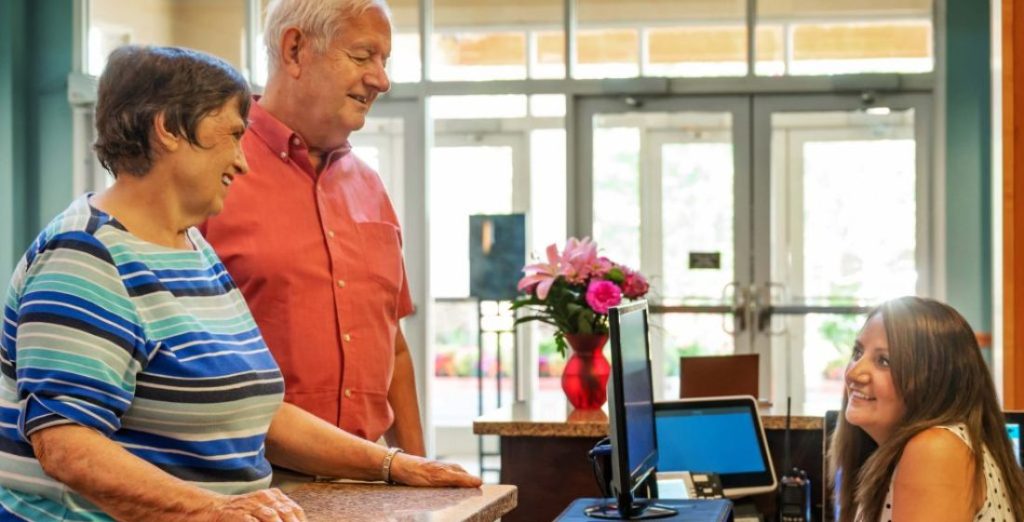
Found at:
<point>382,253</point>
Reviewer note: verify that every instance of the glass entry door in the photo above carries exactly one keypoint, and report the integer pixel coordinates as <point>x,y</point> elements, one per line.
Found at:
<point>669,184</point>
<point>842,224</point>
<point>767,224</point>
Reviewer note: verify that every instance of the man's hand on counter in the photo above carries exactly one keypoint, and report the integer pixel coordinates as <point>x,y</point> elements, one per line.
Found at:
<point>411,470</point>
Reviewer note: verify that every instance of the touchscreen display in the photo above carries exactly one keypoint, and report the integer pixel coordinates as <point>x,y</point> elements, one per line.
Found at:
<point>719,440</point>
<point>1013,430</point>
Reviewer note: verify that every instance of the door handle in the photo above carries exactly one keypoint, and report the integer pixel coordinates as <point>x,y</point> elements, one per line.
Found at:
<point>738,309</point>
<point>766,311</point>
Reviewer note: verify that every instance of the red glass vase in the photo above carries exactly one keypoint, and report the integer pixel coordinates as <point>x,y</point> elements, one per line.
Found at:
<point>585,378</point>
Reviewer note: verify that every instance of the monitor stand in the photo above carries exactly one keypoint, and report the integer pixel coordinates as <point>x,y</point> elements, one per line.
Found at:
<point>642,510</point>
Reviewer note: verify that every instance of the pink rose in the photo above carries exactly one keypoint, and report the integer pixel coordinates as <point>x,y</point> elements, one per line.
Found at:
<point>634,285</point>
<point>603,294</point>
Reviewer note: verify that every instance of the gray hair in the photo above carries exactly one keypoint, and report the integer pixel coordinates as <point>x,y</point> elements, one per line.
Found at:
<point>319,21</point>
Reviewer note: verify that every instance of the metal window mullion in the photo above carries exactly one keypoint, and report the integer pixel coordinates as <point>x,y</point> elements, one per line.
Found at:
<point>569,25</point>
<point>650,238</point>
<point>525,378</point>
<point>531,49</point>
<point>80,16</point>
<point>643,52</point>
<point>751,35</point>
<point>926,218</point>
<point>426,35</point>
<point>252,25</point>
<point>787,48</point>
<point>796,337</point>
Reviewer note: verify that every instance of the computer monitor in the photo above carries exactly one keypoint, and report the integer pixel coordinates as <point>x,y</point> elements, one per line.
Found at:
<point>1014,425</point>
<point>630,416</point>
<point>722,435</point>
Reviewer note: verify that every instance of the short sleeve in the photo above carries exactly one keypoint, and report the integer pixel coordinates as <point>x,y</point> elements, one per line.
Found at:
<point>79,339</point>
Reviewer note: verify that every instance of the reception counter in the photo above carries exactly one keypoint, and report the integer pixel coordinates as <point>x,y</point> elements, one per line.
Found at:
<point>544,449</point>
<point>366,502</point>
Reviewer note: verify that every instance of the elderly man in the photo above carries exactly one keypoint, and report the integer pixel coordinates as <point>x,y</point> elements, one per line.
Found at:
<point>310,234</point>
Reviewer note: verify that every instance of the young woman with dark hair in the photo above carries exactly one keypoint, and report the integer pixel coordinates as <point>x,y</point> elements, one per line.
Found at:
<point>922,435</point>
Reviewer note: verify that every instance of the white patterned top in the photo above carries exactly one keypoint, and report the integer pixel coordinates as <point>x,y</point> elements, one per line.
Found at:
<point>995,507</point>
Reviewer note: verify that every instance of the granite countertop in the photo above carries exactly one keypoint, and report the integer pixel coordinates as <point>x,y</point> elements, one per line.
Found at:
<point>365,502</point>
<point>554,419</point>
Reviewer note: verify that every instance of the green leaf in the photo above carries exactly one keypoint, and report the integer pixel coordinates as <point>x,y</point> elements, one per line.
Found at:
<point>540,318</point>
<point>560,343</point>
<point>615,275</point>
<point>583,323</point>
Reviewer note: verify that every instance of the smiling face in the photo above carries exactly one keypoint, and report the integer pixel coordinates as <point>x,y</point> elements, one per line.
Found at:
<point>873,403</point>
<point>338,87</point>
<point>204,172</point>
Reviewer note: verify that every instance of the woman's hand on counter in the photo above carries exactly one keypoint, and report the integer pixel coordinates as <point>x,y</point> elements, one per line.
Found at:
<point>411,470</point>
<point>267,505</point>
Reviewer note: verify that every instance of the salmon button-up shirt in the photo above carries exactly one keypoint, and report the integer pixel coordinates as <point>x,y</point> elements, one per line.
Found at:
<point>319,260</point>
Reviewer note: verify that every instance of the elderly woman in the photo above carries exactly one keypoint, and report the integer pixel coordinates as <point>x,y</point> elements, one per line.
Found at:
<point>135,384</point>
<point>922,436</point>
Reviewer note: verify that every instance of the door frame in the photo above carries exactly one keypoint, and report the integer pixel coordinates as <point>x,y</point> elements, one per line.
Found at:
<point>584,111</point>
<point>927,218</point>
<point>752,140</point>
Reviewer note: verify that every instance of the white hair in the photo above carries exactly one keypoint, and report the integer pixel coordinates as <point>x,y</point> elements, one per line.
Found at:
<point>319,21</point>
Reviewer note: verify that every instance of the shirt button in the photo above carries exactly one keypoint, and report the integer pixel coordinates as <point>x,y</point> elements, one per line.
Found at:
<point>346,338</point>
<point>348,392</point>
<point>296,141</point>
<point>330,233</point>
<point>284,155</point>
<point>341,284</point>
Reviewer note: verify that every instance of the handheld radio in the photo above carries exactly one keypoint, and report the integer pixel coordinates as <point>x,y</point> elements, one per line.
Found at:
<point>794,486</point>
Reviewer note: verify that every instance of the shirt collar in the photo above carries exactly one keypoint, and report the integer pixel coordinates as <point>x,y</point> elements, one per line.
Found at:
<point>281,139</point>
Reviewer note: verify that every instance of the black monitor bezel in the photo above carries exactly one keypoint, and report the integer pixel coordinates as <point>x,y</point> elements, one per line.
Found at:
<point>624,485</point>
<point>733,484</point>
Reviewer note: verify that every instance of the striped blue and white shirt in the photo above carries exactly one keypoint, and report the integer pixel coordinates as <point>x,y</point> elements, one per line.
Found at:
<point>151,346</point>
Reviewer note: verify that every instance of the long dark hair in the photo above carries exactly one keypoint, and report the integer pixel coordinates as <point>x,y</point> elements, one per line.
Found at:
<point>938,371</point>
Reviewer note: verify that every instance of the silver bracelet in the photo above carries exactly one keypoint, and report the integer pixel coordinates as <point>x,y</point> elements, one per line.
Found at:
<point>386,466</point>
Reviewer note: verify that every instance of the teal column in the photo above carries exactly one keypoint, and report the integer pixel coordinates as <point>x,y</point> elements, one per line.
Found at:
<point>36,133</point>
<point>968,161</point>
<point>13,76</point>
<point>52,129</point>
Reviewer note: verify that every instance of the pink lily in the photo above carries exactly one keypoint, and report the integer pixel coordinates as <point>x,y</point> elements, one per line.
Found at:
<point>579,259</point>
<point>542,275</point>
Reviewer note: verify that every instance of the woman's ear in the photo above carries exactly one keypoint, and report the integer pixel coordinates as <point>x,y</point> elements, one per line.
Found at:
<point>163,138</point>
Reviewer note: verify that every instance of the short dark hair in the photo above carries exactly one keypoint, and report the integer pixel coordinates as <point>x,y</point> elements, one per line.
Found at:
<point>140,82</point>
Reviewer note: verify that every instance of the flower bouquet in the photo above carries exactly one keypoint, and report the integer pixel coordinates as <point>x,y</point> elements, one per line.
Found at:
<point>573,291</point>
